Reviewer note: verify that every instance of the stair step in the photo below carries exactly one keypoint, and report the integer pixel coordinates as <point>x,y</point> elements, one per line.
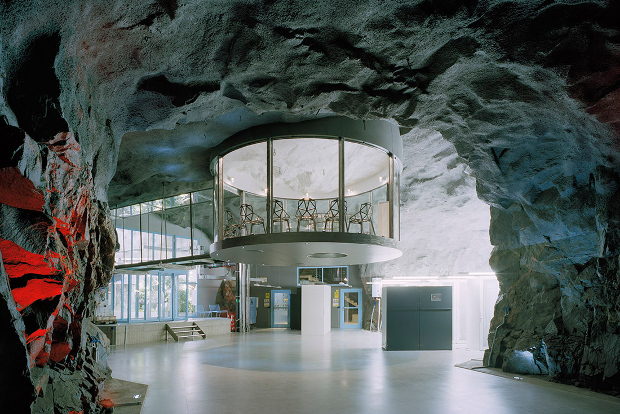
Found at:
<point>188,331</point>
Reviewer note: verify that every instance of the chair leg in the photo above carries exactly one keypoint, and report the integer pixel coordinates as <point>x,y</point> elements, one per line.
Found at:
<point>372,227</point>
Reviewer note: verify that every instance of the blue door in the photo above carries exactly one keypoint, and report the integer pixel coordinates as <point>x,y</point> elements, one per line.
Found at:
<point>351,309</point>
<point>280,309</point>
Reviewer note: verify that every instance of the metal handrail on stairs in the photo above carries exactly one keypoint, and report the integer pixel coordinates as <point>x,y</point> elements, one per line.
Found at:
<point>177,332</point>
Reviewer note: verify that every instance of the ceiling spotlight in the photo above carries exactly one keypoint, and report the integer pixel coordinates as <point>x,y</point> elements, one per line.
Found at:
<point>327,255</point>
<point>232,179</point>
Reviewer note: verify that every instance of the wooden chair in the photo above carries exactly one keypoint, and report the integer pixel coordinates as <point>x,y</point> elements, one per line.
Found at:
<point>363,215</point>
<point>306,211</point>
<point>333,214</point>
<point>280,215</point>
<point>248,217</point>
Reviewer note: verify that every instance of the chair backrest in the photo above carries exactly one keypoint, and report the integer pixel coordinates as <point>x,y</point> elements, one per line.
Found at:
<point>246,212</point>
<point>214,308</point>
<point>306,207</point>
<point>229,217</point>
<point>365,210</point>
<point>333,207</point>
<point>278,210</point>
<point>200,308</point>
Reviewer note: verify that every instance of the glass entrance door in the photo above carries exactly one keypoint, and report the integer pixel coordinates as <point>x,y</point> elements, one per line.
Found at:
<point>351,309</point>
<point>280,315</point>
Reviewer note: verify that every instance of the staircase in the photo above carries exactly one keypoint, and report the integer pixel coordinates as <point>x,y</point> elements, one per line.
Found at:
<point>185,331</point>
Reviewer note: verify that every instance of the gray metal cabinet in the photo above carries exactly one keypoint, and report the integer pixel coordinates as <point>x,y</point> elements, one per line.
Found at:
<point>417,317</point>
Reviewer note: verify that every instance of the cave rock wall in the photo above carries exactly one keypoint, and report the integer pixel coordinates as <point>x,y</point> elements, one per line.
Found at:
<point>525,92</point>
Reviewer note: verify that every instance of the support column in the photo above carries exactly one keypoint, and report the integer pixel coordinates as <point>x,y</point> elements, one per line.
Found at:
<point>390,195</point>
<point>243,307</point>
<point>341,185</point>
<point>269,226</point>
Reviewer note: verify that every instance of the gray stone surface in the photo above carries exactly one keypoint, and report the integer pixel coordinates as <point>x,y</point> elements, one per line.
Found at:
<point>521,97</point>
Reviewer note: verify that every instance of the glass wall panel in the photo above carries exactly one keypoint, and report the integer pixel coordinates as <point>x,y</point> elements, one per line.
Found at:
<point>366,172</point>
<point>118,296</point>
<point>139,303</point>
<point>181,290</point>
<point>381,208</point>
<point>305,181</point>
<point>334,275</point>
<point>147,246</point>
<point>166,309</point>
<point>125,252</point>
<point>135,298</point>
<point>253,214</point>
<point>396,195</point>
<point>153,309</point>
<point>182,247</point>
<point>120,293</point>
<point>202,210</point>
<point>321,275</point>
<point>232,212</point>
<point>245,170</point>
<point>192,292</point>
<point>309,276</point>
<point>135,247</point>
<point>218,203</point>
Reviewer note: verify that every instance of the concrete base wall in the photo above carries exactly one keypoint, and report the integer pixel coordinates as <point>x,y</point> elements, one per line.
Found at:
<point>138,333</point>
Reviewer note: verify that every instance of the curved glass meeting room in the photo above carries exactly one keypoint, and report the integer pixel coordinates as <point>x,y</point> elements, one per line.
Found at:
<point>321,192</point>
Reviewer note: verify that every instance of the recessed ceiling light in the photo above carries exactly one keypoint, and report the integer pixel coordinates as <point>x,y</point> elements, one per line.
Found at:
<point>327,255</point>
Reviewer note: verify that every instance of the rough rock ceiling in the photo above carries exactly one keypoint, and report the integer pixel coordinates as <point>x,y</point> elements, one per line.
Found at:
<point>527,93</point>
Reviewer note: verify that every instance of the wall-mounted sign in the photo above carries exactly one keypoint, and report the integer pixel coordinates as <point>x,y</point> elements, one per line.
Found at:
<point>336,302</point>
<point>435,297</point>
<point>267,295</point>
<point>376,287</point>
<point>266,303</point>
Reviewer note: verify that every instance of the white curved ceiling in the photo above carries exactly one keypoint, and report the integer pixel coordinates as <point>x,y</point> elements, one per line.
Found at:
<point>306,167</point>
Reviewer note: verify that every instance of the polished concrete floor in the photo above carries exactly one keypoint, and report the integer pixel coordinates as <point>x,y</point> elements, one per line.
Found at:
<point>280,371</point>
